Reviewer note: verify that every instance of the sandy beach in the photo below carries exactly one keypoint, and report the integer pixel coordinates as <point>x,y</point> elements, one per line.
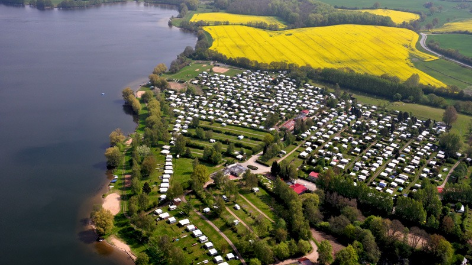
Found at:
<point>112,203</point>
<point>121,246</point>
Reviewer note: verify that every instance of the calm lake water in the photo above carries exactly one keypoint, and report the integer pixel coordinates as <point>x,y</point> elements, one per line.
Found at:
<point>54,122</point>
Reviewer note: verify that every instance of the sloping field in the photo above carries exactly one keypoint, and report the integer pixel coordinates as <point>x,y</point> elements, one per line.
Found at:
<point>460,26</point>
<point>234,19</point>
<point>398,17</point>
<point>365,49</point>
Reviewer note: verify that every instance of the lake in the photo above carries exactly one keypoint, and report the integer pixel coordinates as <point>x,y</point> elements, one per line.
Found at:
<point>54,122</point>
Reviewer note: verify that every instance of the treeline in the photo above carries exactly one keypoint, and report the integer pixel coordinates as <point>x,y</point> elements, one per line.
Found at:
<point>303,13</point>
<point>194,26</point>
<point>451,53</point>
<point>13,2</point>
<point>190,4</point>
<point>41,4</point>
<point>68,4</point>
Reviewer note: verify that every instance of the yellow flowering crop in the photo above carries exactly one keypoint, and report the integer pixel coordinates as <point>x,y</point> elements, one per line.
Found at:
<point>464,25</point>
<point>365,49</point>
<point>234,19</point>
<point>398,17</point>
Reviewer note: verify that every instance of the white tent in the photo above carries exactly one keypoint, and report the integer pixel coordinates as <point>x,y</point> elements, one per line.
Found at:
<point>164,185</point>
<point>212,252</point>
<point>203,239</point>
<point>184,222</point>
<point>230,256</point>
<point>172,220</point>
<point>165,152</point>
<point>191,228</point>
<point>164,215</point>
<point>168,172</point>
<point>218,259</point>
<point>163,190</point>
<point>197,233</point>
<point>208,245</point>
<point>166,176</point>
<point>158,211</point>
<point>165,181</point>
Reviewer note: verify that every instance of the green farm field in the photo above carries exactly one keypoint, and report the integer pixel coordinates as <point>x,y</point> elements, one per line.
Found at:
<point>449,10</point>
<point>460,42</point>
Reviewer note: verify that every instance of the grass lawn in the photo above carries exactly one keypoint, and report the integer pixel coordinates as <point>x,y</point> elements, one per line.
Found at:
<point>231,128</point>
<point>421,111</point>
<point>189,72</point>
<point>459,42</point>
<point>261,200</point>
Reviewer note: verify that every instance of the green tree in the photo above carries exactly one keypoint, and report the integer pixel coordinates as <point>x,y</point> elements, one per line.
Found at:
<point>347,256</point>
<point>148,166</point>
<point>440,249</point>
<point>220,206</point>
<point>127,92</point>
<point>175,190</point>
<point>251,180</point>
<point>116,137</point>
<point>114,156</point>
<point>143,201</point>
<point>199,176</point>
<point>135,185</point>
<point>142,259</point>
<point>255,261</point>
<point>180,144</point>
<point>281,251</point>
<point>451,143</point>
<point>303,246</point>
<point>147,96</point>
<point>450,115</point>
<point>159,69</point>
<point>324,253</point>
<point>146,188</point>
<point>263,252</point>
<point>413,80</point>
<point>230,149</point>
<point>103,220</point>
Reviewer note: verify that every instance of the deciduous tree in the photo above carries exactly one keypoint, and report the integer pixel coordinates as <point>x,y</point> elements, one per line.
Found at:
<point>324,253</point>
<point>103,221</point>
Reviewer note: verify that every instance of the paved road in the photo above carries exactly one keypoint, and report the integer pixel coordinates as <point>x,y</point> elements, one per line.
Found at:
<point>260,167</point>
<point>309,185</point>
<point>261,212</point>
<point>423,44</point>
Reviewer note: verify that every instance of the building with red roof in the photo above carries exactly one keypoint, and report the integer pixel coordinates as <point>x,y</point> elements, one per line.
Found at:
<point>289,125</point>
<point>314,174</point>
<point>298,188</point>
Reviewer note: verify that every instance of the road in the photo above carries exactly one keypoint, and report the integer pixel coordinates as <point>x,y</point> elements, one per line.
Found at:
<point>261,169</point>
<point>423,44</point>
<point>449,174</point>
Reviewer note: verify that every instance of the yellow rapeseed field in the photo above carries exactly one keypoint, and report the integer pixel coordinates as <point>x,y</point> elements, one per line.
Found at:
<point>235,19</point>
<point>397,17</point>
<point>365,49</point>
<point>464,25</point>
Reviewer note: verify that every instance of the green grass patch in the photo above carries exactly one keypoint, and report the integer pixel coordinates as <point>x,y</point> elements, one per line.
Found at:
<point>261,200</point>
<point>460,42</point>
<point>449,10</point>
<point>447,72</point>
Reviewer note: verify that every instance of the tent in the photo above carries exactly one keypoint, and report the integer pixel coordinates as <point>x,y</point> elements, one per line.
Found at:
<point>218,259</point>
<point>203,239</point>
<point>164,215</point>
<point>172,220</point>
<point>166,176</point>
<point>184,222</point>
<point>170,172</point>
<point>164,185</point>
<point>191,228</point>
<point>165,152</point>
<point>212,252</point>
<point>208,245</point>
<point>197,233</point>
<point>230,256</point>
<point>163,190</point>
